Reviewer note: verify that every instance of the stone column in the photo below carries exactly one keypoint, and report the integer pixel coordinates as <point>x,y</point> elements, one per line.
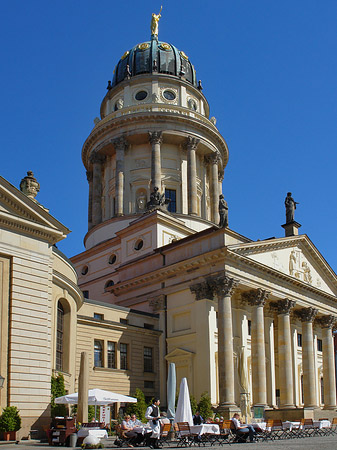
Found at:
<point>257,299</point>
<point>223,288</point>
<point>158,306</point>
<point>120,145</point>
<point>97,160</point>
<point>156,139</point>
<point>329,379</point>
<point>307,316</point>
<point>285,354</point>
<point>89,178</point>
<point>215,188</point>
<point>191,145</point>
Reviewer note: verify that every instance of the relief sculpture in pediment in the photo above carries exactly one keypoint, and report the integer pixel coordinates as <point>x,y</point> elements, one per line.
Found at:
<point>298,267</point>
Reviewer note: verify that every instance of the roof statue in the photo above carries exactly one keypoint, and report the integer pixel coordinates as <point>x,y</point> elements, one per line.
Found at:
<point>154,23</point>
<point>290,205</point>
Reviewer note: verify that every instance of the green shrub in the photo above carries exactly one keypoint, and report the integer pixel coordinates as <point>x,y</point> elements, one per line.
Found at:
<point>58,390</point>
<point>138,408</point>
<point>205,406</point>
<point>10,419</point>
<point>194,404</point>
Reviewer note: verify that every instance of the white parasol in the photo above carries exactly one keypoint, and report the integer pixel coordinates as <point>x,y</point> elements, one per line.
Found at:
<point>184,411</point>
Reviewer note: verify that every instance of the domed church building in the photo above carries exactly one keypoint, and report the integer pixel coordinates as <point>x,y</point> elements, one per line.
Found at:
<point>249,322</point>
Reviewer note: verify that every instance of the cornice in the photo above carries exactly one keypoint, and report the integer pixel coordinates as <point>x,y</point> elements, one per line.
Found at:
<point>165,113</point>
<point>63,282</point>
<point>13,205</point>
<point>276,274</point>
<point>165,272</point>
<point>35,229</point>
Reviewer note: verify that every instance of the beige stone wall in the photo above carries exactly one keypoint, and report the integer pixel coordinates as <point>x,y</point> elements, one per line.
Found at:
<point>111,329</point>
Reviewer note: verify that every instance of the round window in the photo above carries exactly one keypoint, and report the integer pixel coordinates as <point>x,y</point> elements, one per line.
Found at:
<point>139,244</point>
<point>169,95</point>
<point>84,270</point>
<point>141,95</point>
<point>112,259</point>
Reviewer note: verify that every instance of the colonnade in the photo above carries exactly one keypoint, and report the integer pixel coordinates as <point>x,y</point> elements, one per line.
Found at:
<point>155,138</point>
<point>222,288</point>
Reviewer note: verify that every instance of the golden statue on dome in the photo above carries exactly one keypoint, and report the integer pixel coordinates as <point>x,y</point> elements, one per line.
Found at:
<point>154,23</point>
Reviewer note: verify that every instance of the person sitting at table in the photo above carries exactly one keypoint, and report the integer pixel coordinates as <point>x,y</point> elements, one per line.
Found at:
<point>197,419</point>
<point>217,420</point>
<point>209,420</point>
<point>135,422</point>
<point>243,431</point>
<point>127,429</point>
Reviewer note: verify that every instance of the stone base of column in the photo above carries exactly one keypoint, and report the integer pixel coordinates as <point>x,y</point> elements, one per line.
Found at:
<point>227,411</point>
<point>287,406</point>
<point>330,407</point>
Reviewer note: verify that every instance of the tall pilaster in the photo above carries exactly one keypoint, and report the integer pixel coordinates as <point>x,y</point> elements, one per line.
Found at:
<point>97,160</point>
<point>329,379</point>
<point>215,188</point>
<point>158,306</point>
<point>285,354</point>
<point>223,288</point>
<point>120,145</point>
<point>307,316</point>
<point>257,298</point>
<point>156,139</point>
<point>191,145</point>
<point>89,178</point>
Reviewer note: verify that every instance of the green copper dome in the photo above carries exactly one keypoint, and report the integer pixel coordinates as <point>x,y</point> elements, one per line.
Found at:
<point>154,57</point>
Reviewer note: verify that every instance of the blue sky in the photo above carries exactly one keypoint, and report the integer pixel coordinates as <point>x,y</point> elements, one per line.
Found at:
<point>269,72</point>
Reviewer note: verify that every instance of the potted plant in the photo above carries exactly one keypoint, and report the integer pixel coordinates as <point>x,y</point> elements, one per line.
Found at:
<point>10,423</point>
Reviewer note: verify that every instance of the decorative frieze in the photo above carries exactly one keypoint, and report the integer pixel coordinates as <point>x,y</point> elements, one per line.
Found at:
<point>157,304</point>
<point>256,297</point>
<point>307,314</point>
<point>155,137</point>
<point>326,321</point>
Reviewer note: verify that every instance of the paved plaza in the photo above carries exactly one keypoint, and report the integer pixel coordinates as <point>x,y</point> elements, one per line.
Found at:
<point>311,443</point>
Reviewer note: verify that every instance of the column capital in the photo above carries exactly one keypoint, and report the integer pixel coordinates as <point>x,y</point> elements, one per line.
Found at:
<point>221,175</point>
<point>326,321</point>
<point>155,137</point>
<point>157,304</point>
<point>202,291</point>
<point>97,158</point>
<point>89,176</point>
<point>307,314</point>
<point>191,143</point>
<point>284,306</point>
<point>256,297</point>
<point>222,285</point>
<point>120,143</point>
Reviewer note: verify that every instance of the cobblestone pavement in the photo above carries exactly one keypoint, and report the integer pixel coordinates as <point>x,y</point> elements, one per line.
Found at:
<point>312,443</point>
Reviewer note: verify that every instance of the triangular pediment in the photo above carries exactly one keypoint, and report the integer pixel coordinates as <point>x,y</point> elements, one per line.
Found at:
<point>296,257</point>
<point>179,353</point>
<point>23,215</point>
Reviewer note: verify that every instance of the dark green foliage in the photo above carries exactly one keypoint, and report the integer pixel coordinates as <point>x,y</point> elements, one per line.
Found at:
<point>194,404</point>
<point>10,419</point>
<point>205,406</point>
<point>138,408</point>
<point>58,390</point>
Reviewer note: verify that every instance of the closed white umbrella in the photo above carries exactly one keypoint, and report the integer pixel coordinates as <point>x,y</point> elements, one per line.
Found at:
<point>171,391</point>
<point>184,411</point>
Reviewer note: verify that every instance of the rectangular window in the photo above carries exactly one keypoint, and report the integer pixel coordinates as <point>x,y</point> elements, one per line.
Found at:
<point>148,384</point>
<point>85,294</point>
<point>148,360</point>
<point>299,340</point>
<point>319,345</point>
<point>98,353</point>
<point>124,356</point>
<point>98,316</point>
<point>149,326</point>
<point>171,194</point>
<point>59,337</point>
<point>124,321</point>
<point>249,327</point>
<point>111,355</point>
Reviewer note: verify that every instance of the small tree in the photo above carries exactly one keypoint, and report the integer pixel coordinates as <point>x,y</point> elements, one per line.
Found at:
<point>138,408</point>
<point>10,419</point>
<point>205,405</point>
<point>194,404</point>
<point>58,390</point>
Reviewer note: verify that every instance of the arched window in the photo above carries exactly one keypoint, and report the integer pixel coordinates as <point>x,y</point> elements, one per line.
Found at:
<point>59,336</point>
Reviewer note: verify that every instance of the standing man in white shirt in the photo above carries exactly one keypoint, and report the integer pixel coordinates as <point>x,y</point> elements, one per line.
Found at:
<point>152,414</point>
